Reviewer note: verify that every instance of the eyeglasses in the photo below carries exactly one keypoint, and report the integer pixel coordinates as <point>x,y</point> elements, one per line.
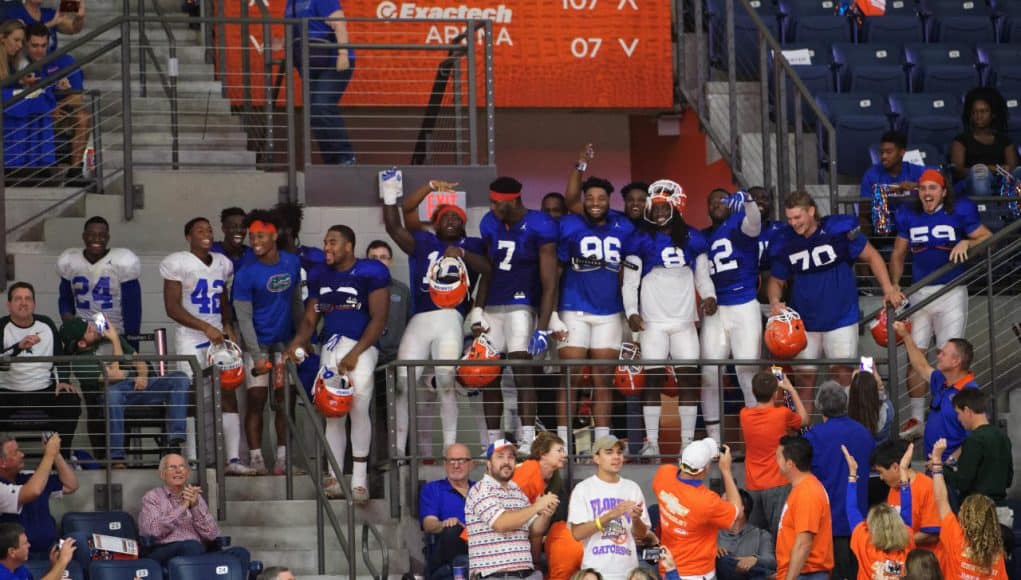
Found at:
<point>177,467</point>
<point>458,460</point>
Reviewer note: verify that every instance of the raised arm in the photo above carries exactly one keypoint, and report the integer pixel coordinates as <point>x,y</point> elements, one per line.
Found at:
<point>939,485</point>
<point>572,195</point>
<point>915,355</point>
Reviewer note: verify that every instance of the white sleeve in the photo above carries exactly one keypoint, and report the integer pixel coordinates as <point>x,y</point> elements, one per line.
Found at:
<point>9,498</point>
<point>703,283</point>
<point>751,225</point>
<point>578,509</point>
<point>629,289</point>
<point>127,265</point>
<point>65,265</point>
<point>640,497</point>
<point>170,268</point>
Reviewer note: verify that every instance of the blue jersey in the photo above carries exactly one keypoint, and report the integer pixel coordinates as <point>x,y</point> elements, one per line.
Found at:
<point>344,296</point>
<point>733,261</point>
<point>313,265</point>
<point>428,250</point>
<point>821,268</point>
<point>657,250</point>
<point>591,255</point>
<point>245,255</point>
<point>770,229</point>
<point>270,289</point>
<point>933,236</point>
<point>514,251</point>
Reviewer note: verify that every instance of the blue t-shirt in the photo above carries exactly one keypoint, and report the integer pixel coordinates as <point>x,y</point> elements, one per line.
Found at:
<point>591,255</point>
<point>514,252</point>
<point>19,573</point>
<point>17,11</point>
<point>877,174</point>
<point>942,420</point>
<point>269,287</point>
<point>428,250</point>
<point>733,261</point>
<point>440,500</point>
<point>770,230</point>
<point>246,254</point>
<point>344,296</point>
<point>933,236</point>
<point>317,29</point>
<point>821,268</point>
<point>830,467</point>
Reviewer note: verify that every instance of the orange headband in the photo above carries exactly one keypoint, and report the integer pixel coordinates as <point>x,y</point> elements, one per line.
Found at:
<point>934,176</point>
<point>447,208</point>
<point>501,196</point>
<point>259,226</point>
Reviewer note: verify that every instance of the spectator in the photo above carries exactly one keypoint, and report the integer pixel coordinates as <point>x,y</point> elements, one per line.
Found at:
<point>985,464</point>
<point>882,541</point>
<point>868,404</point>
<point>441,511</point>
<point>35,391</point>
<point>12,34</point>
<point>71,117</point>
<point>608,513</point>
<point>938,230</point>
<point>804,540</point>
<point>329,73</point>
<point>951,375</point>
<point>28,125</point>
<point>14,546</point>
<point>922,565</point>
<point>891,169</point>
<point>176,519</point>
<point>984,143</point>
<point>587,574</point>
<point>924,514</point>
<point>972,541</point>
<point>500,519</point>
<point>691,515</point>
<point>276,573</point>
<point>762,426</point>
<point>400,304</point>
<point>124,387</point>
<point>539,474</point>
<point>32,12</point>
<point>312,259</point>
<point>35,514</point>
<point>745,551</point>
<point>829,467</point>
<point>14,497</point>
<point>232,225</point>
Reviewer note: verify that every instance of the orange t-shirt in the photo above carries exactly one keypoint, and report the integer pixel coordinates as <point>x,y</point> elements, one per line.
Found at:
<point>924,513</point>
<point>762,428</point>
<point>563,552</point>
<point>528,476</point>
<point>876,564</point>
<point>956,563</point>
<point>807,510</point>
<point>690,520</point>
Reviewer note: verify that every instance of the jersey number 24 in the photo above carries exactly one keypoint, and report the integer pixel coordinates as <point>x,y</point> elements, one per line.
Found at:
<point>100,293</point>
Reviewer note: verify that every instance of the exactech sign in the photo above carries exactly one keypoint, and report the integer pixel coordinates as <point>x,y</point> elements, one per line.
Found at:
<point>500,15</point>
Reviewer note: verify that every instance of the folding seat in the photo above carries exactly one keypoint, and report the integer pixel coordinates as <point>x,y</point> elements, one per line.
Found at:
<point>876,67</point>
<point>205,567</point>
<point>959,21</point>
<point>1010,21</point>
<point>945,67</point>
<point>859,120</point>
<point>113,523</point>
<point>1013,101</point>
<point>745,35</point>
<point>1008,79</point>
<point>813,20</point>
<point>900,7</point>
<point>39,568</point>
<point>993,57</point>
<point>904,106</point>
<point>899,28</point>
<point>816,74</point>
<point>122,569</point>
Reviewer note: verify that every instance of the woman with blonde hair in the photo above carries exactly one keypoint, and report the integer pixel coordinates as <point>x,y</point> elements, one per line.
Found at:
<point>972,541</point>
<point>881,541</point>
<point>12,35</point>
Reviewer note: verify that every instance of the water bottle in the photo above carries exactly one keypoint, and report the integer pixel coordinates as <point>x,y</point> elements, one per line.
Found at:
<point>300,355</point>
<point>278,370</point>
<point>460,573</point>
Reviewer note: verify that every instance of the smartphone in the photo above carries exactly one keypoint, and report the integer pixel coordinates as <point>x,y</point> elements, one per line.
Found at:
<point>777,372</point>
<point>652,554</point>
<point>69,5</point>
<point>47,435</point>
<point>867,364</point>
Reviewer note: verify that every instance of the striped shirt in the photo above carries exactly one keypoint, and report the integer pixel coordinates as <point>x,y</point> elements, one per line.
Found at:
<point>489,551</point>
<point>165,518</point>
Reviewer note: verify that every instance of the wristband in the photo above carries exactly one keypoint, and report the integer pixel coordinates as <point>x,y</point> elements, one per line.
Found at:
<point>599,524</point>
<point>937,472</point>
<point>852,478</point>
<point>581,166</point>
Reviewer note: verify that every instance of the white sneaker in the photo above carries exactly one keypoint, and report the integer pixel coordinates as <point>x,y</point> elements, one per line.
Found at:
<point>235,467</point>
<point>650,448</point>
<point>333,489</point>
<point>524,449</point>
<point>258,465</point>
<point>359,491</point>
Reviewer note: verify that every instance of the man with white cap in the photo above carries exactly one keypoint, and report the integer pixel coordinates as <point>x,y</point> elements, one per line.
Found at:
<point>691,515</point>
<point>607,513</point>
<point>500,520</point>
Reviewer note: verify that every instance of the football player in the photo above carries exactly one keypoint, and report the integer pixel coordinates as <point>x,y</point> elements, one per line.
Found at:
<point>312,259</point>
<point>101,280</point>
<point>353,297</point>
<point>432,332</point>
<point>937,229</point>
<point>816,254</point>
<point>667,260</point>
<point>267,304</point>
<point>194,283</point>
<point>736,328</point>
<point>232,225</point>
<point>520,297</point>
<point>554,205</point>
<point>590,253</point>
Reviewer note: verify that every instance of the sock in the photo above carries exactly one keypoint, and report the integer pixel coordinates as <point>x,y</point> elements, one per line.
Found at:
<point>232,434</point>
<point>713,430</point>
<point>652,414</point>
<point>281,454</point>
<point>448,414</point>
<point>601,432</point>
<point>494,434</point>
<point>688,415</point>
<point>254,455</point>
<point>562,433</point>
<point>527,433</point>
<point>336,438</point>
<point>190,452</point>
<point>918,408</point>
<point>358,474</point>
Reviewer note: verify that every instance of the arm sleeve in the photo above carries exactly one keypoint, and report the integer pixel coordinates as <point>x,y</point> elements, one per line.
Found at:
<point>767,551</point>
<point>703,283</point>
<point>427,505</point>
<point>243,313</point>
<point>962,479</point>
<point>204,522</point>
<point>65,303</point>
<point>854,516</point>
<point>971,220</point>
<point>751,225</point>
<point>905,504</point>
<point>131,307</point>
<point>632,281</point>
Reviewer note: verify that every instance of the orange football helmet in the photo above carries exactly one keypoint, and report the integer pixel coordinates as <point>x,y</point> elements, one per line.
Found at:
<point>878,329</point>
<point>629,379</point>
<point>481,375</point>
<point>785,334</point>
<point>665,191</point>
<point>228,359</point>
<point>333,394</point>
<point>448,282</point>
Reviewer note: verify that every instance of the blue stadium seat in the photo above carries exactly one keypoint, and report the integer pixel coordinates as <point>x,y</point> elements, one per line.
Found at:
<point>205,567</point>
<point>125,569</point>
<point>817,77</point>
<point>995,56</point>
<point>932,156</point>
<point>794,10</point>
<point>1008,79</point>
<point>900,7</point>
<point>833,28</point>
<point>959,21</point>
<point>119,524</point>
<point>39,568</point>
<point>897,28</point>
<point>745,34</point>
<point>945,67</point>
<point>904,106</point>
<point>936,130</point>
<point>1013,101</point>
<point>860,120</point>
<point>876,67</point>
<point>1010,21</point>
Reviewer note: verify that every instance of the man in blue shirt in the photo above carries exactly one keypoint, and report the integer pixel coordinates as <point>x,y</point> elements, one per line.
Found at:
<point>35,513</point>
<point>232,224</point>
<point>14,547</point>
<point>441,511</point>
<point>891,170</point>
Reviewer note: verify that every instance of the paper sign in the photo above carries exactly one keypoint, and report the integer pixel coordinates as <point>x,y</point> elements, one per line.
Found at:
<point>914,157</point>
<point>799,57</point>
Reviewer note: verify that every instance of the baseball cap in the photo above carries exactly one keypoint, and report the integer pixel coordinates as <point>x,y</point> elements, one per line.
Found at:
<point>606,442</point>
<point>934,176</point>
<point>498,445</point>
<point>71,332</point>
<point>699,454</point>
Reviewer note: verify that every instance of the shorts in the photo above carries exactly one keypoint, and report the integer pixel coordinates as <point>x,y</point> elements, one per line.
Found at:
<point>253,381</point>
<point>361,377</point>
<point>591,331</point>
<point>670,340</point>
<point>946,317</point>
<point>510,327</point>
<point>837,343</point>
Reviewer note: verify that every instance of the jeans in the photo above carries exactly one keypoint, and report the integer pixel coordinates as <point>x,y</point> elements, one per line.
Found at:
<point>163,553</point>
<point>171,390</point>
<point>327,86</point>
<point>981,181</point>
<point>726,569</point>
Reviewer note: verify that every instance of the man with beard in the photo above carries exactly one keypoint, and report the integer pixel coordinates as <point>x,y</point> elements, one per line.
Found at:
<point>500,520</point>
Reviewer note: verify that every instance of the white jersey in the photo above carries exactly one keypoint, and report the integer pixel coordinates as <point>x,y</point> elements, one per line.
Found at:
<point>201,287</point>
<point>97,287</point>
<point>612,551</point>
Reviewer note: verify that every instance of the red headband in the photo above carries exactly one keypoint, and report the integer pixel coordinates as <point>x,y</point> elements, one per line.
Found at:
<point>446,208</point>
<point>501,196</point>
<point>934,176</point>
<point>259,226</point>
